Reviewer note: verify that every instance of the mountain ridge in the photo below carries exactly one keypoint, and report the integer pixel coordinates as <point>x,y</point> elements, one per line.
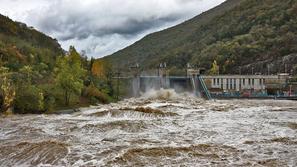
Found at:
<point>234,33</point>
<point>22,45</point>
<point>175,29</point>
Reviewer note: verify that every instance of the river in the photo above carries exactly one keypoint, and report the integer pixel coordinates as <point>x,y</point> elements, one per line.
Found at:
<point>158,129</point>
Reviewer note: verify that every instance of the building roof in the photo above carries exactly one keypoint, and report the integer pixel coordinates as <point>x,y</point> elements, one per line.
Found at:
<point>241,76</point>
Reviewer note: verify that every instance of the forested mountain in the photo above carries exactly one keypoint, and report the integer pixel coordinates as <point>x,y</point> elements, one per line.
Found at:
<point>241,35</point>
<point>37,75</point>
<point>22,45</point>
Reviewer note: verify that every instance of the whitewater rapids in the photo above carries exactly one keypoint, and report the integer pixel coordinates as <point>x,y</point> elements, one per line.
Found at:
<point>161,128</point>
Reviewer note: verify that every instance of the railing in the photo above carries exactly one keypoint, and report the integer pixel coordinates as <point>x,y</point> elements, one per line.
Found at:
<point>203,85</point>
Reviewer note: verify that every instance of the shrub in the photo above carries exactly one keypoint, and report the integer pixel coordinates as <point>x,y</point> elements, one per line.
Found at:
<point>49,103</point>
<point>95,94</point>
<point>50,94</point>
<point>29,99</point>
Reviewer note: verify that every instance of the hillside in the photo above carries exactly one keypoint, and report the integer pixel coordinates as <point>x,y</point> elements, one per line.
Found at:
<point>21,45</point>
<point>38,76</point>
<point>238,34</point>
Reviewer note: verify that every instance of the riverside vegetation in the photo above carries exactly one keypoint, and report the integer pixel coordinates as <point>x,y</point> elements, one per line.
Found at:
<point>37,76</point>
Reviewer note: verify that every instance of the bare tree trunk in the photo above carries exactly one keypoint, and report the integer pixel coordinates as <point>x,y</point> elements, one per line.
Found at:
<point>66,98</point>
<point>69,95</point>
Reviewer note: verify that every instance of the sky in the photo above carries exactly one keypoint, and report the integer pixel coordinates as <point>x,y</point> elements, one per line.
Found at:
<point>102,27</point>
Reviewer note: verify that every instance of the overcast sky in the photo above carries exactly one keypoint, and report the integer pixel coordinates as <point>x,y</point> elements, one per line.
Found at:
<point>101,27</point>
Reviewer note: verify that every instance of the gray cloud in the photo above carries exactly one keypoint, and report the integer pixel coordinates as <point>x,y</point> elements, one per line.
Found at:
<point>102,27</point>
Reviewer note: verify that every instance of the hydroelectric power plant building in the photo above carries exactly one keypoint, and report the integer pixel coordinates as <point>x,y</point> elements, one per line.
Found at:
<point>248,85</point>
<point>217,86</point>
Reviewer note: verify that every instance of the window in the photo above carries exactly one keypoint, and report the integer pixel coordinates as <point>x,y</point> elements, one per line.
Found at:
<point>214,81</point>
<point>218,81</point>
<point>227,83</point>
<point>222,84</point>
<point>243,81</point>
<point>249,81</point>
<point>253,82</point>
<point>231,83</point>
<point>234,83</point>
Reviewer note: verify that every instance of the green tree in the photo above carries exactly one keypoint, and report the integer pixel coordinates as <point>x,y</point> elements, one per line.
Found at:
<point>69,75</point>
<point>29,99</point>
<point>26,73</point>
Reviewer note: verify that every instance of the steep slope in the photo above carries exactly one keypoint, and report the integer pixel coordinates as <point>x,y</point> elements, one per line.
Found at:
<point>157,44</point>
<point>21,45</point>
<point>236,34</point>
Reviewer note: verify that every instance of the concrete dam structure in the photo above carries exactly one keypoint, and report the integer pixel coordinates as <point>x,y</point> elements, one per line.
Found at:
<point>213,86</point>
<point>180,84</point>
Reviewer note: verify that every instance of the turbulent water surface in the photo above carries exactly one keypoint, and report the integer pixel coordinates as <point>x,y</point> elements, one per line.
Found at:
<point>159,129</point>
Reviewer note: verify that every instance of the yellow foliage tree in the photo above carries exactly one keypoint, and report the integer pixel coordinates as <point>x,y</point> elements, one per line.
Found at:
<point>215,69</point>
<point>98,69</point>
<point>8,95</point>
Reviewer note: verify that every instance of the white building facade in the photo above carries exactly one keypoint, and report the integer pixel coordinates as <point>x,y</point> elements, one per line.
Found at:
<point>239,83</point>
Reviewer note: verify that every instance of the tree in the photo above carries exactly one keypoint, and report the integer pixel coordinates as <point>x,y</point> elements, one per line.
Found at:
<point>7,91</point>
<point>69,73</point>
<point>103,75</point>
<point>29,100</point>
<point>214,69</point>
<point>26,73</point>
<point>98,69</point>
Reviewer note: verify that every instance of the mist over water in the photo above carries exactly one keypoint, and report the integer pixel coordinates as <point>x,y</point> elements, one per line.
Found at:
<point>159,128</point>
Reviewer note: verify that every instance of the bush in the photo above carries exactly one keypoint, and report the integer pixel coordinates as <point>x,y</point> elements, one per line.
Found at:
<point>49,103</point>
<point>50,96</point>
<point>29,99</point>
<point>95,95</point>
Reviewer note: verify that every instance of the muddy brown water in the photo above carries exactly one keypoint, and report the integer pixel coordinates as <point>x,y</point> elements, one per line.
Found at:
<point>156,130</point>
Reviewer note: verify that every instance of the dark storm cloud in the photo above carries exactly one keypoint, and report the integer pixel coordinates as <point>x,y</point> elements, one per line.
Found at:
<point>78,30</point>
<point>103,26</point>
<point>81,24</point>
<point>134,26</point>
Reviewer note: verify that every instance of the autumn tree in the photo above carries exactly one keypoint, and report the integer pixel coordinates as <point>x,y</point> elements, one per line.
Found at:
<point>98,69</point>
<point>102,76</point>
<point>214,69</point>
<point>7,91</point>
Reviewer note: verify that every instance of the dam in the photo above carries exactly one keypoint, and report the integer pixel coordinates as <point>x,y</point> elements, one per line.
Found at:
<point>194,84</point>
<point>219,86</point>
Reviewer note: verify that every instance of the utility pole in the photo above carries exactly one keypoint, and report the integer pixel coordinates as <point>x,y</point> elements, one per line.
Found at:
<point>136,80</point>
<point>187,68</point>
<point>162,73</point>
